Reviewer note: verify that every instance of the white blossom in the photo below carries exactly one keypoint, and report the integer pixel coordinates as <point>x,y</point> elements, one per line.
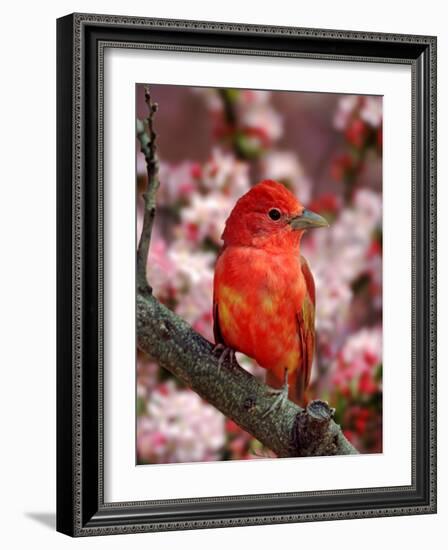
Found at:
<point>372,111</point>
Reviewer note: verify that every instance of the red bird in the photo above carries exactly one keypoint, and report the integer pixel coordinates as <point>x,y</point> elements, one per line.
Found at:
<point>264,298</point>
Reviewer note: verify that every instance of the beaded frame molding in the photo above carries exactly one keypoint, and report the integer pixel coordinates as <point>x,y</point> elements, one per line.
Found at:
<point>81,39</point>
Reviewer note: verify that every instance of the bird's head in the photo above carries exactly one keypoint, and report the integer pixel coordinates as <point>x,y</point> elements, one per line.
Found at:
<point>269,216</point>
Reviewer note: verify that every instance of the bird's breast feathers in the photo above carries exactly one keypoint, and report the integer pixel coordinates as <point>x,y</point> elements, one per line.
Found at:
<point>258,295</point>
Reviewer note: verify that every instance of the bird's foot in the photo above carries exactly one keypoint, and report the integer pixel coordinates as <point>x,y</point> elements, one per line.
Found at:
<point>281,397</point>
<point>224,353</point>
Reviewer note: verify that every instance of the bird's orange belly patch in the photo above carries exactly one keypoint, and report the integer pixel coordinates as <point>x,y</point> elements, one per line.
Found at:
<point>259,325</point>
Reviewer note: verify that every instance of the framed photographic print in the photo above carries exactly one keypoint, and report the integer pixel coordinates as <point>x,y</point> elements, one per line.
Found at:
<point>246,274</point>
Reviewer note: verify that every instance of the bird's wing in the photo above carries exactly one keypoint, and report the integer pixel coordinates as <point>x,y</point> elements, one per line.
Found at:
<point>299,378</point>
<point>216,328</point>
<point>306,333</point>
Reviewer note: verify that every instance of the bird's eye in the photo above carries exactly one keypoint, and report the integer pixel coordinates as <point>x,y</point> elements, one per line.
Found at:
<point>274,214</point>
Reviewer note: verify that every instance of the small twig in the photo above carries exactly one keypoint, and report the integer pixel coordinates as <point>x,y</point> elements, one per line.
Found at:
<point>230,116</point>
<point>147,137</point>
<point>229,110</point>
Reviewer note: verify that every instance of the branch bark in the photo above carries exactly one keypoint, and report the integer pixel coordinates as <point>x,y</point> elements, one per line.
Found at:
<point>147,137</point>
<point>288,431</point>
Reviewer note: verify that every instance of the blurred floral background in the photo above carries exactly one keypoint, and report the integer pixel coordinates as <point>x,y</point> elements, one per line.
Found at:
<point>213,144</point>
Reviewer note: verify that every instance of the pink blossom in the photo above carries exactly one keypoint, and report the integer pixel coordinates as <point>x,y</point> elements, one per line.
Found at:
<point>368,108</point>
<point>369,205</point>
<point>151,444</point>
<point>179,427</point>
<point>374,269</point>
<point>346,106</point>
<point>337,257</point>
<point>205,217</point>
<point>263,117</point>
<point>195,306</point>
<point>211,98</point>
<point>147,371</point>
<point>286,167</point>
<point>162,269</point>
<point>192,267</point>
<point>255,114</point>
<point>175,270</point>
<point>251,98</point>
<point>359,356</point>
<point>225,174</point>
<point>177,183</point>
<point>371,111</point>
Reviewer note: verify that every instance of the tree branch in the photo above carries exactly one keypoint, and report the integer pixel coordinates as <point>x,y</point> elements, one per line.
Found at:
<point>288,431</point>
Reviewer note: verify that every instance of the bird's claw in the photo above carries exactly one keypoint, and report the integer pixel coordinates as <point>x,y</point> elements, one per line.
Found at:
<point>224,352</point>
<point>280,399</point>
<point>281,396</point>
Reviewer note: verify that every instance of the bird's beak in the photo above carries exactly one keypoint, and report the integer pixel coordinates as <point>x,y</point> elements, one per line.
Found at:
<point>308,220</point>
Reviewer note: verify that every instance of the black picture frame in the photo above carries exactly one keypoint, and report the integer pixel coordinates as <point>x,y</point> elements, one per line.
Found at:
<point>81,510</point>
